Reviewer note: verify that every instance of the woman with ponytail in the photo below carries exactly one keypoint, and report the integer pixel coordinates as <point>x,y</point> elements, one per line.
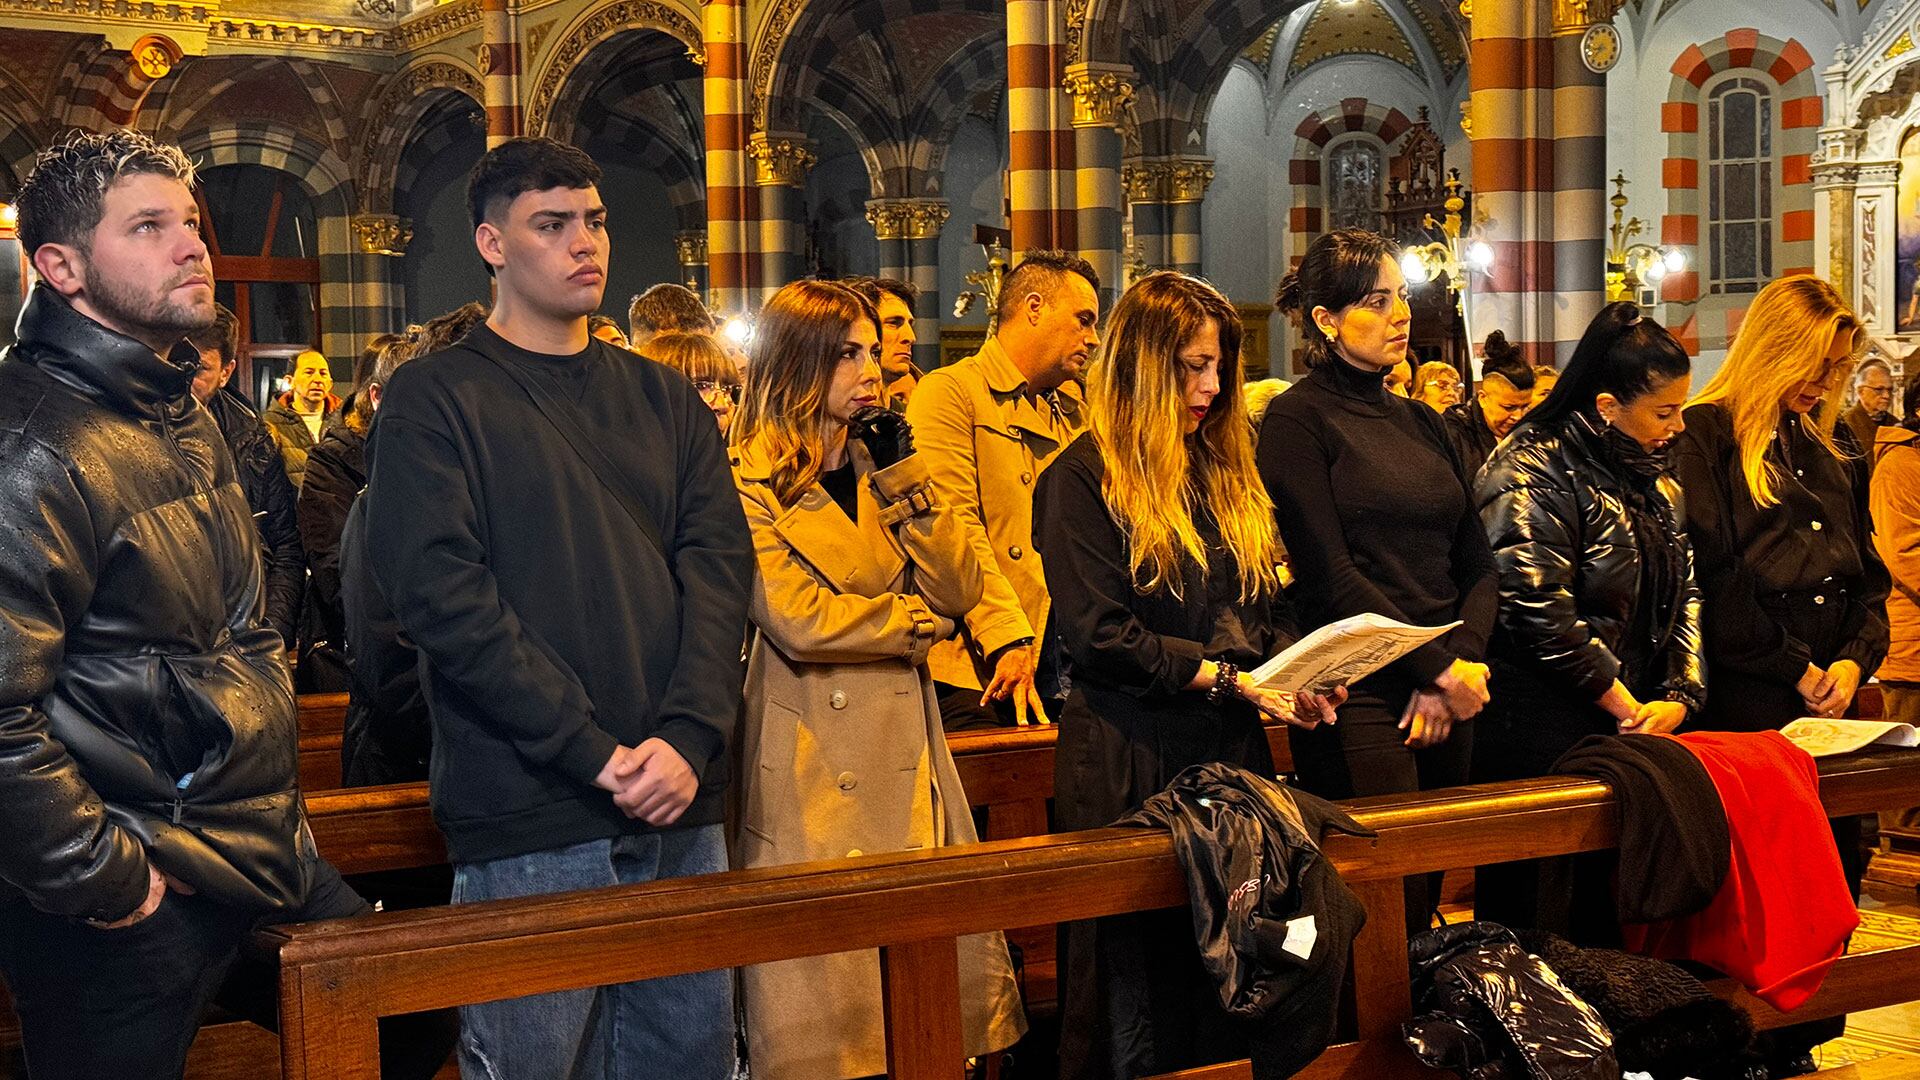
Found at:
<point>1375,515</point>
<point>1161,557</point>
<point>1599,625</point>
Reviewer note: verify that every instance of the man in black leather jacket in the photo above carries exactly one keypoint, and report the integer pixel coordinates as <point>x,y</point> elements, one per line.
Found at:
<point>262,476</point>
<point>147,724</point>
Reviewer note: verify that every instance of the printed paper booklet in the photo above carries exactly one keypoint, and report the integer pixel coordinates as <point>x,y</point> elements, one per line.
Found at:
<point>1824,738</point>
<point>1344,652</point>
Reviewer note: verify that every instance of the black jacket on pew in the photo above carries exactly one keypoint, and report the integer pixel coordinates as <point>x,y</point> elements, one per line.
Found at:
<point>145,708</point>
<point>552,629</point>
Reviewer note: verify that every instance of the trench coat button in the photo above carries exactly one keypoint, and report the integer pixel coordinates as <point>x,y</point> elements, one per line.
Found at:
<point>837,699</point>
<point>1819,599</point>
<point>1015,551</point>
<point>1817,526</point>
<point>1799,472</point>
<point>1026,478</point>
<point>846,781</point>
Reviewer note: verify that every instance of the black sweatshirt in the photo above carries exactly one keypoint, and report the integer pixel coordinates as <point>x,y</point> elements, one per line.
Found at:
<point>1375,514</point>
<point>551,628</point>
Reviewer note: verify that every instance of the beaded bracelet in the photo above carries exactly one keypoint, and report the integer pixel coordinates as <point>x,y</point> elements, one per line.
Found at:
<point>1226,683</point>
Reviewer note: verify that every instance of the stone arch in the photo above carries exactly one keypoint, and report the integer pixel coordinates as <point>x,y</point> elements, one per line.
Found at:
<point>1385,126</point>
<point>571,59</point>
<point>794,40</point>
<point>406,99</point>
<point>1707,321</point>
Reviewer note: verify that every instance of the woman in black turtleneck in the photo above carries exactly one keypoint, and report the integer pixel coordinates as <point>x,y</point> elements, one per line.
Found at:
<point>1376,517</point>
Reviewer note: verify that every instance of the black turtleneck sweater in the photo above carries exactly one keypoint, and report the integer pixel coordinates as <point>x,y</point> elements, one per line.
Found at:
<point>1375,516</point>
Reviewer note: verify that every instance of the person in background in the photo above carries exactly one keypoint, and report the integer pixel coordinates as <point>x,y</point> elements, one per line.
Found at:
<point>1599,620</point>
<point>1502,398</point>
<point>988,427</point>
<point>666,308</point>
<point>894,300</point>
<point>579,618</point>
<point>861,571</point>
<point>705,362</point>
<point>1437,385</point>
<point>1795,595</point>
<point>1164,604</point>
<point>607,330</point>
<point>1375,518</point>
<point>1872,404</point>
<point>445,330</point>
<point>1400,379</point>
<point>300,416</point>
<point>1259,394</point>
<point>1544,378</point>
<point>262,476</point>
<point>1896,525</point>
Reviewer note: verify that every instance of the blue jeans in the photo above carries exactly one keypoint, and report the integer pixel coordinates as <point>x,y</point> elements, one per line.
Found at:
<point>679,1027</point>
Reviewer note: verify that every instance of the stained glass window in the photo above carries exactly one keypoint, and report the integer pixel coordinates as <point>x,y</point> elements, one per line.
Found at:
<point>1739,187</point>
<point>1354,187</point>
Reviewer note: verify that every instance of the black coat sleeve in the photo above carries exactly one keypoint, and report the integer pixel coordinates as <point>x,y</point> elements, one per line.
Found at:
<point>1866,633</point>
<point>272,495</point>
<point>1686,679</point>
<point>1091,585</point>
<point>325,497</point>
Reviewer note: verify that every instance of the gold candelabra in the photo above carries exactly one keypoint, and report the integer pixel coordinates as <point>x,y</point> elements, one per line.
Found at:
<point>1633,269</point>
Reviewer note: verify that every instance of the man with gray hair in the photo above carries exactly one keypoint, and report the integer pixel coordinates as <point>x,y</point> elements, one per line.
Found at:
<point>1872,404</point>
<point>147,723</point>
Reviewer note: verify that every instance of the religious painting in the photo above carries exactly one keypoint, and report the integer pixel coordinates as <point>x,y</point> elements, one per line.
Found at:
<point>1907,238</point>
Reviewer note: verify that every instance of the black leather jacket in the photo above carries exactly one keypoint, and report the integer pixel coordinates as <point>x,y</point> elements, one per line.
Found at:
<point>1556,516</point>
<point>263,477</point>
<point>145,710</point>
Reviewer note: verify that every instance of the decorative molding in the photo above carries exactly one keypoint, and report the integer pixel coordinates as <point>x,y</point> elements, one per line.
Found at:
<point>1572,17</point>
<point>1102,94</point>
<point>382,234</point>
<point>379,9</point>
<point>690,247</point>
<point>767,54</point>
<point>907,219</point>
<point>537,36</point>
<point>1869,301</point>
<point>1076,17</point>
<point>1901,46</point>
<point>1166,180</point>
<point>252,33</point>
<point>780,158</point>
<point>437,23</point>
<point>400,90</point>
<point>607,21</point>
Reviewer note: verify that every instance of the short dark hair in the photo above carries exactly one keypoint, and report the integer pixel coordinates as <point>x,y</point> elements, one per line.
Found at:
<point>223,336</point>
<point>1041,270</point>
<point>597,321</point>
<point>666,308</point>
<point>518,166</point>
<point>873,288</point>
<point>1622,353</point>
<point>63,197</point>
<point>442,331</point>
<point>1337,272</point>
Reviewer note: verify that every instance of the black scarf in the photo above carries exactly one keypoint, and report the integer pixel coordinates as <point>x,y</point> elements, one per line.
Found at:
<point>1662,566</point>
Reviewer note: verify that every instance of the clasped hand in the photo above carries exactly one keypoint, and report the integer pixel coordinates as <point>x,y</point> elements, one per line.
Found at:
<point>1458,694</point>
<point>1829,692</point>
<point>651,782</point>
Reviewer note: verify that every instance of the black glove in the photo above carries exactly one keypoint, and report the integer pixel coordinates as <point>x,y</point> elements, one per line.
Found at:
<point>888,436</point>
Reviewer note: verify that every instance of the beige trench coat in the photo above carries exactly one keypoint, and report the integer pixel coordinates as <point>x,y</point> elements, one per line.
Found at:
<point>841,751</point>
<point>986,442</point>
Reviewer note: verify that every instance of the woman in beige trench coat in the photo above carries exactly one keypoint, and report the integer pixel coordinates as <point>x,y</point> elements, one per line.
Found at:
<point>841,752</point>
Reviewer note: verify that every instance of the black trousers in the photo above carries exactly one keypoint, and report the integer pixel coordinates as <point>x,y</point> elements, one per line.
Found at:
<point>1366,754</point>
<point>127,1003</point>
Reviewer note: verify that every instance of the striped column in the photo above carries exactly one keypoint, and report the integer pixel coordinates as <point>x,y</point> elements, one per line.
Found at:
<point>1040,138</point>
<point>149,61</point>
<point>1580,189</point>
<point>1510,98</point>
<point>380,241</point>
<point>690,249</point>
<point>1166,194</point>
<point>780,163</point>
<point>908,231</point>
<point>731,201</point>
<point>500,72</point>
<point>1101,94</point>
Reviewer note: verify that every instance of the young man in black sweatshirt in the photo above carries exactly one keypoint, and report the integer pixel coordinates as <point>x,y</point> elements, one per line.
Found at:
<point>555,527</point>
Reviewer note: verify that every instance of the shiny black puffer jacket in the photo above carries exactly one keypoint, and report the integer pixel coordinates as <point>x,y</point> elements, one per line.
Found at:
<point>1556,517</point>
<point>145,710</point>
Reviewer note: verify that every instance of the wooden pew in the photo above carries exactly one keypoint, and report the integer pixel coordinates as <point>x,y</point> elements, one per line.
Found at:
<point>340,976</point>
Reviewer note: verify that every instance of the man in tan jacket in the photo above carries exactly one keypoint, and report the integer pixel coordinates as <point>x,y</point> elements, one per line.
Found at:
<point>987,427</point>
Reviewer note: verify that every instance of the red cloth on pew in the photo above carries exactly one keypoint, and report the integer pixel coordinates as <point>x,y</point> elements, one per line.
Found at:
<point>1784,913</point>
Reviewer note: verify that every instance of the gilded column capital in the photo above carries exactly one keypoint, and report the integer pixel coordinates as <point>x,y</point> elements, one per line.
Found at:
<point>690,247</point>
<point>1574,16</point>
<point>382,234</point>
<point>1101,93</point>
<point>1166,180</point>
<point>780,158</point>
<point>907,219</point>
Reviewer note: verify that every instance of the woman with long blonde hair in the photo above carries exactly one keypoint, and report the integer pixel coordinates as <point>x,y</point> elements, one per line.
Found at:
<point>1794,612</point>
<point>841,750</point>
<point>1161,554</point>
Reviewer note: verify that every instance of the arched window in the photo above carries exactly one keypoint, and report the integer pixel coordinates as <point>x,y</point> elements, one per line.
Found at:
<point>264,235</point>
<point>1353,186</point>
<point>1739,187</point>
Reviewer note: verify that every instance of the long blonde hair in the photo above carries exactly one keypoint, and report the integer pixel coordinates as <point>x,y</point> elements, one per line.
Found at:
<point>1782,343</point>
<point>796,348</point>
<point>1156,475</point>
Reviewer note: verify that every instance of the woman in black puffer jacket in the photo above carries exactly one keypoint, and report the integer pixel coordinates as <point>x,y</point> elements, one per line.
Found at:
<point>1599,624</point>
